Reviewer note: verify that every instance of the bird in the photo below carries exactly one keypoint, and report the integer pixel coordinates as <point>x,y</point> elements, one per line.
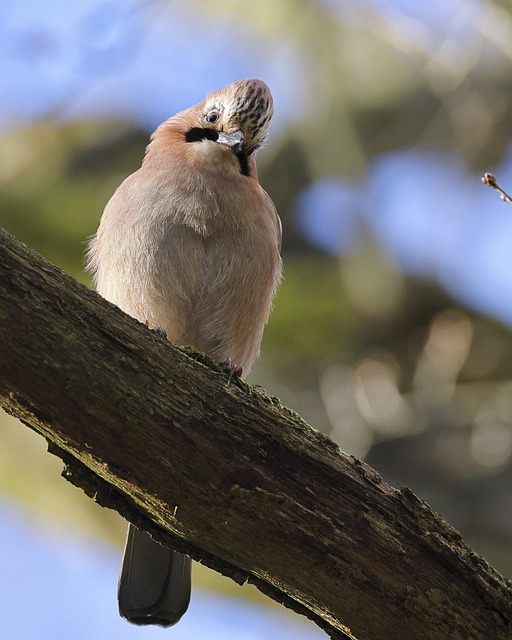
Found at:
<point>191,243</point>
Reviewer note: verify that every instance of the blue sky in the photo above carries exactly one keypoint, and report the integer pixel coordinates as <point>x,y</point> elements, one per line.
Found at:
<point>430,217</point>
<point>54,585</point>
<point>126,59</point>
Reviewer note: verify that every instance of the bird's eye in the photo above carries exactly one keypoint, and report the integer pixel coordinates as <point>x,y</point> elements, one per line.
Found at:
<point>212,117</point>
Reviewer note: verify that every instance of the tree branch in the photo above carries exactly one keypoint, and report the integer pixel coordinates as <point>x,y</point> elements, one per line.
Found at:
<point>489,180</point>
<point>213,468</point>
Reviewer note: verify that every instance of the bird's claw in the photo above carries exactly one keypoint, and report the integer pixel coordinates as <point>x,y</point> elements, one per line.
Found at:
<point>159,331</point>
<point>233,369</point>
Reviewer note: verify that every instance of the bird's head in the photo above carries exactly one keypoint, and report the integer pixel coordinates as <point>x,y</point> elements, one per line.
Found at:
<point>237,117</point>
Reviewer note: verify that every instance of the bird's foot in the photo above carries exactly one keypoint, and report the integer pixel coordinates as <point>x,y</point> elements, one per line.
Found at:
<point>233,369</point>
<point>159,331</point>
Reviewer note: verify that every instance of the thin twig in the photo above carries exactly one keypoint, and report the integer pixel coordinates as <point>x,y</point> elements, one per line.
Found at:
<point>491,181</point>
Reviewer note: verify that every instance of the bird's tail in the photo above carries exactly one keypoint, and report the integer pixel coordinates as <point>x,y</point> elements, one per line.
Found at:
<point>154,585</point>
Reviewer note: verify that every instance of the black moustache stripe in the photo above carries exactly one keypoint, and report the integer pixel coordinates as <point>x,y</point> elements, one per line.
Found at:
<point>196,134</point>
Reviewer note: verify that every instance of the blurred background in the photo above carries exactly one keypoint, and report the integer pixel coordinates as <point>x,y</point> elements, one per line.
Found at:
<point>392,329</point>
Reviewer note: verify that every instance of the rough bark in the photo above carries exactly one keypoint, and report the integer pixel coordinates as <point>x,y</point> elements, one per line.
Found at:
<point>218,470</point>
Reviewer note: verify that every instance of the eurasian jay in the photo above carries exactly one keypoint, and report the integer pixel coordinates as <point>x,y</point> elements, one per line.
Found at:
<point>191,243</point>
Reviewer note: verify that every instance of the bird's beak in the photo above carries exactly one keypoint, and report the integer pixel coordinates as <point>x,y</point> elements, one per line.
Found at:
<point>235,141</point>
